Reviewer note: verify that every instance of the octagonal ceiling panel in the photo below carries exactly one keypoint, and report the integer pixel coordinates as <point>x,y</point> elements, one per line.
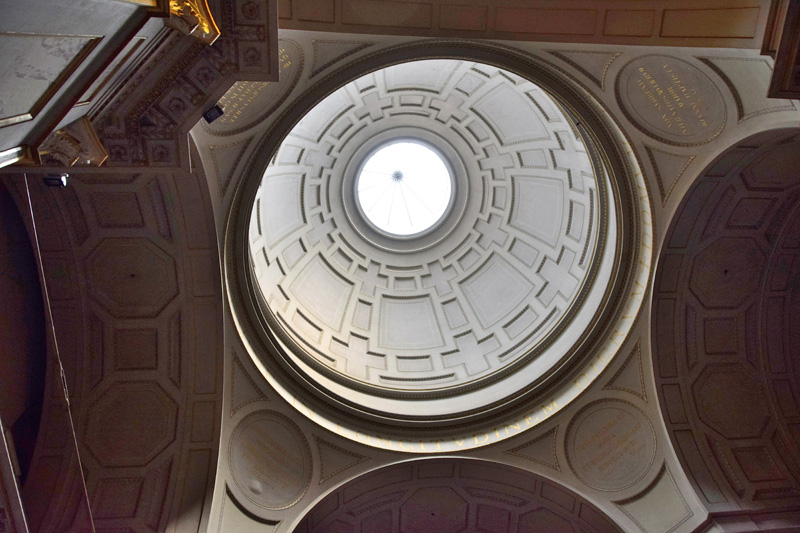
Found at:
<point>132,277</point>
<point>131,424</point>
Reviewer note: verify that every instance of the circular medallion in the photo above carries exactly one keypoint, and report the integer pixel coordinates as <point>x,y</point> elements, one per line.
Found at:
<point>270,460</point>
<point>671,100</point>
<point>610,445</point>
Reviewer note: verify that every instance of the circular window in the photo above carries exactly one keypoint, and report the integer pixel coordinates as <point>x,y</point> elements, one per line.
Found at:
<point>404,188</point>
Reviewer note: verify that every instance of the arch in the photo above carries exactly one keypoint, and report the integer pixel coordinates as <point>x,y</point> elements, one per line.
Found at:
<point>22,333</point>
<point>453,495</point>
<point>726,327</point>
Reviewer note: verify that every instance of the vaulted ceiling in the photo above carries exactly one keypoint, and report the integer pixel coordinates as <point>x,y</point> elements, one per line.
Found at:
<point>675,407</point>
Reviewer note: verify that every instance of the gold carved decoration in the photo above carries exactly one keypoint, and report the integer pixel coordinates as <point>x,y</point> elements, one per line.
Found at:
<point>193,17</point>
<point>147,3</point>
<point>75,144</point>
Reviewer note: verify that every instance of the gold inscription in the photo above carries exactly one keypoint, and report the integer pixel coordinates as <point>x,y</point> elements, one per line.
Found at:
<point>610,443</point>
<point>679,106</point>
<point>242,94</point>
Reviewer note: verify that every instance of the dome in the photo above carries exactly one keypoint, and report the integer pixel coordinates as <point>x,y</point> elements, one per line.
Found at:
<point>369,314</point>
<point>453,308</point>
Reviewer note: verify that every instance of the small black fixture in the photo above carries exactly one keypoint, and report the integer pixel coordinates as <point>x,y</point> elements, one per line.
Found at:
<point>56,180</point>
<point>213,114</point>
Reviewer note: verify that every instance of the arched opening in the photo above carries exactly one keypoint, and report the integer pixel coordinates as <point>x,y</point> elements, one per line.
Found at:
<point>23,359</point>
<point>451,495</point>
<point>726,327</point>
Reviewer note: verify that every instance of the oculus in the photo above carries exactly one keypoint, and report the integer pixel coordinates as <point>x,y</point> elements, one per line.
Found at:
<point>404,188</point>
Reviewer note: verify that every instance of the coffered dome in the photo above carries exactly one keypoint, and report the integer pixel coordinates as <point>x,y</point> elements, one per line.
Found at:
<point>482,303</point>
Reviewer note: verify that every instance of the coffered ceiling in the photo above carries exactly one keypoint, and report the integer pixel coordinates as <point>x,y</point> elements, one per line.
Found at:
<point>675,411</point>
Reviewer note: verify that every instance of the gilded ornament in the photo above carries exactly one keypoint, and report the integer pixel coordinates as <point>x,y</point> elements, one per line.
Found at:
<point>193,17</point>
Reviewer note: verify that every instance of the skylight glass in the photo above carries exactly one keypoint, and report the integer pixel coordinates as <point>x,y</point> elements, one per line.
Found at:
<point>404,188</point>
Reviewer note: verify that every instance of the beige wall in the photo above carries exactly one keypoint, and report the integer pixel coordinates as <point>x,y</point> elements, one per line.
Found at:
<point>717,23</point>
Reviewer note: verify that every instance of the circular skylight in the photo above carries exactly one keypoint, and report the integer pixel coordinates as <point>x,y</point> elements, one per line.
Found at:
<point>404,188</point>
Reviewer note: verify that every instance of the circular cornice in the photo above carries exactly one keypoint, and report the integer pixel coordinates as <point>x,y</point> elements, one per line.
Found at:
<point>627,267</point>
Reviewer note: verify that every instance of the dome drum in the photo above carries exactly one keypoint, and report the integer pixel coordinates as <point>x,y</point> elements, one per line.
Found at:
<point>478,317</point>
